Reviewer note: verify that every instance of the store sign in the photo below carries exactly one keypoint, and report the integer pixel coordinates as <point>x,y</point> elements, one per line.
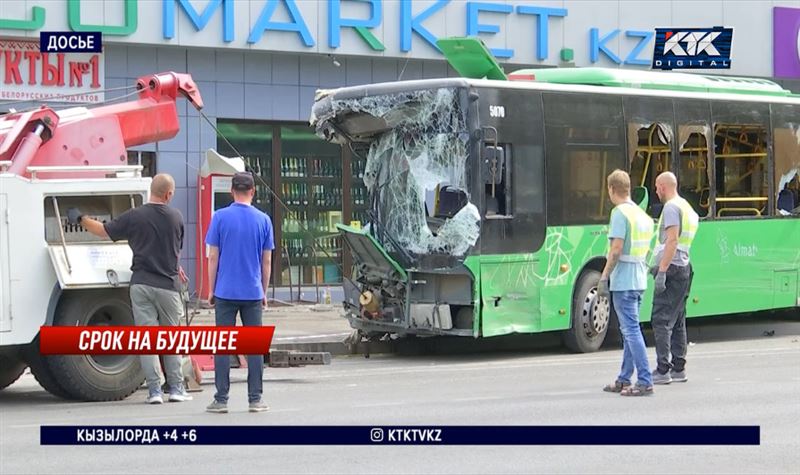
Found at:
<point>512,29</point>
<point>29,74</point>
<point>786,42</point>
<point>412,20</point>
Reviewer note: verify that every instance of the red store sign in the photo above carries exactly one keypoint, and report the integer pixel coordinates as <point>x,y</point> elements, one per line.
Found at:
<point>27,74</point>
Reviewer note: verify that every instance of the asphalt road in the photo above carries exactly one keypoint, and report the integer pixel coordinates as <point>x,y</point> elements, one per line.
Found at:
<point>732,382</point>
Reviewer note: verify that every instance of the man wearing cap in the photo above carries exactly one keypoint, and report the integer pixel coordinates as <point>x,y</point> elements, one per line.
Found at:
<point>240,245</point>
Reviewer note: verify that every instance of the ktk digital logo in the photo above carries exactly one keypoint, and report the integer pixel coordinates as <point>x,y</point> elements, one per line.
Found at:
<point>786,42</point>
<point>693,48</point>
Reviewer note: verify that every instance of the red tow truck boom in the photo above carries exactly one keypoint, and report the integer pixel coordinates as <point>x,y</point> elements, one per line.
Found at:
<point>96,136</point>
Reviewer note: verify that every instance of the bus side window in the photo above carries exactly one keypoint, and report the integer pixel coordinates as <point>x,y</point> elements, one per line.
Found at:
<point>694,168</point>
<point>741,150</point>
<point>650,146</point>
<point>585,142</point>
<point>787,158</point>
<point>497,186</point>
<point>649,127</point>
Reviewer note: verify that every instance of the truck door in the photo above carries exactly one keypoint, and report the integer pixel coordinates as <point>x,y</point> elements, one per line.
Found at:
<point>5,294</point>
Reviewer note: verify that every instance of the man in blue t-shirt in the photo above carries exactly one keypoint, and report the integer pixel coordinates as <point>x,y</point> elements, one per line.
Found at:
<point>240,245</point>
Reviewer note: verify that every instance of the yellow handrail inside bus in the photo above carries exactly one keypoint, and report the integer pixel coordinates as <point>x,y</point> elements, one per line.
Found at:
<point>755,211</point>
<point>741,199</point>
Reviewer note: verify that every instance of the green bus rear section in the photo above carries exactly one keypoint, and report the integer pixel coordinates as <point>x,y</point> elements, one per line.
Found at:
<point>739,266</point>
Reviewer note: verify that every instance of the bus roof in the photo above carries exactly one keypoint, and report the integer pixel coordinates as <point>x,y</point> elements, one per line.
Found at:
<point>652,80</point>
<point>471,58</point>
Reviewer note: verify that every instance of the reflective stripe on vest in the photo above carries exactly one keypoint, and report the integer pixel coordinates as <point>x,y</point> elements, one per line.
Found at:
<point>641,232</point>
<point>689,224</point>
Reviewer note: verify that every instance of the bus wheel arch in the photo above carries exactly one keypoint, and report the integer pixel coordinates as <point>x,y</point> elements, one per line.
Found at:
<point>590,316</point>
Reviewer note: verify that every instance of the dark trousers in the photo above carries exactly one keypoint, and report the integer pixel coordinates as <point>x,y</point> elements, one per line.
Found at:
<point>225,314</point>
<point>669,319</point>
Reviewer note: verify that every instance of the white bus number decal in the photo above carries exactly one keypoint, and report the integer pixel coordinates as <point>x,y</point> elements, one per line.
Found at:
<point>497,111</point>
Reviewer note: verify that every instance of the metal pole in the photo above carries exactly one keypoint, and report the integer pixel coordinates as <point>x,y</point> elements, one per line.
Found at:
<point>61,231</point>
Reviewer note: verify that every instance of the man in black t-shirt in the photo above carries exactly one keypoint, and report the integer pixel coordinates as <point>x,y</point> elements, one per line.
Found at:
<point>155,234</point>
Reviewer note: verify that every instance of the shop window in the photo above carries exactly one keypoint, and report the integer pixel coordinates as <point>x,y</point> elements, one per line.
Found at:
<point>253,142</point>
<point>146,159</point>
<point>311,179</point>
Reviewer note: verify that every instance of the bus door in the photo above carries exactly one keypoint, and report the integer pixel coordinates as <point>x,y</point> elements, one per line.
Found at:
<point>511,184</point>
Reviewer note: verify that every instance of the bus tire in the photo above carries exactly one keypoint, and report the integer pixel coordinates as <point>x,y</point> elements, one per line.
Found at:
<point>96,377</point>
<point>590,316</point>
<point>11,368</point>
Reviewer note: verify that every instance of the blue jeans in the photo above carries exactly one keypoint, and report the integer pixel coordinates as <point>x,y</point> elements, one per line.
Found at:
<point>225,314</point>
<point>626,304</point>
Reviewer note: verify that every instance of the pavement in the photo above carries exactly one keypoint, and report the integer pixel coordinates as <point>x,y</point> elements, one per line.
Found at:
<point>732,381</point>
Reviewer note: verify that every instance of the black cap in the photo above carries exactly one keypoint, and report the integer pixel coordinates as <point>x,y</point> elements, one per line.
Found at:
<point>243,181</point>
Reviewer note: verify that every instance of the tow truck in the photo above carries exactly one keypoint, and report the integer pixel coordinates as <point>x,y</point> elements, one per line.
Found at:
<point>54,273</point>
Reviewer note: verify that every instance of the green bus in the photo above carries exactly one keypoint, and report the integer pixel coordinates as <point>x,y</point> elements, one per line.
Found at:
<point>488,205</point>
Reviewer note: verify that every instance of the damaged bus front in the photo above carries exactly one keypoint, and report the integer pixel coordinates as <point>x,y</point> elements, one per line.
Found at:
<point>409,275</point>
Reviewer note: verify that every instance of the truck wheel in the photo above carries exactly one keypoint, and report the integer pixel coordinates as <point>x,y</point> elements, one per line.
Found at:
<point>42,372</point>
<point>590,316</point>
<point>11,369</point>
<point>96,377</point>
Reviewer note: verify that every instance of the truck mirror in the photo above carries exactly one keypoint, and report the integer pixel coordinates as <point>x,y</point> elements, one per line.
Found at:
<point>493,163</point>
<point>641,196</point>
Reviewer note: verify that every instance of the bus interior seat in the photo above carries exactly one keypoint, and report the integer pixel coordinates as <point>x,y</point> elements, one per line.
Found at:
<point>787,200</point>
<point>451,200</point>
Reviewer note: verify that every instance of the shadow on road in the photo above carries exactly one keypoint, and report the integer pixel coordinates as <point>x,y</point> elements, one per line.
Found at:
<point>725,328</point>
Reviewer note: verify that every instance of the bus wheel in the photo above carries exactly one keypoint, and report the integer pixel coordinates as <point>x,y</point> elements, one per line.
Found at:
<point>11,368</point>
<point>96,377</point>
<point>590,316</point>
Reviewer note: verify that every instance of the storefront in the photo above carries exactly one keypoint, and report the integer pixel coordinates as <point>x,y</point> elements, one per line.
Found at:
<point>259,63</point>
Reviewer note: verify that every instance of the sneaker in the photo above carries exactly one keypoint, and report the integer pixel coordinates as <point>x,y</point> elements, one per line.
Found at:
<point>679,376</point>
<point>659,378</point>
<point>155,398</point>
<point>179,395</point>
<point>258,406</point>
<point>217,407</point>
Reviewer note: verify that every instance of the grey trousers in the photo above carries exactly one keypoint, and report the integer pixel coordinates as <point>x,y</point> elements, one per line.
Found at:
<point>158,307</point>
<point>669,319</point>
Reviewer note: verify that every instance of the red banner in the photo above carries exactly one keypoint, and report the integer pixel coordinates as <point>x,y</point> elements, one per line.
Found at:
<point>155,340</point>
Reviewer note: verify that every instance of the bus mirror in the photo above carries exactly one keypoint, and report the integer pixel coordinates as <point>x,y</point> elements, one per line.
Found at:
<point>493,162</point>
<point>641,197</point>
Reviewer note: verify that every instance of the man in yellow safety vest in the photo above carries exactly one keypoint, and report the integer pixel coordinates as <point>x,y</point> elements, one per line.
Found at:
<point>677,227</point>
<point>630,232</point>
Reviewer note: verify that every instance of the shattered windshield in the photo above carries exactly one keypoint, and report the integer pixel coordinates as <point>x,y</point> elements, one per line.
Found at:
<point>416,171</point>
